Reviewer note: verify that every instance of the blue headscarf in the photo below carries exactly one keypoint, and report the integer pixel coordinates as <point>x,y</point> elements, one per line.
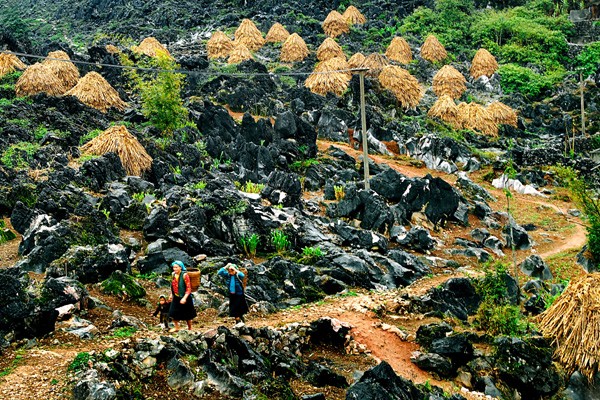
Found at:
<point>177,262</point>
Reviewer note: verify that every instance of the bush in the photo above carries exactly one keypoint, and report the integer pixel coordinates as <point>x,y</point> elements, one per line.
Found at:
<point>280,241</point>
<point>515,78</point>
<point>588,61</point>
<point>249,244</point>
<point>19,155</point>
<point>80,362</point>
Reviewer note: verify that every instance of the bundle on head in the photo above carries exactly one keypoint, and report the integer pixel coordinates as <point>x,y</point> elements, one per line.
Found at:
<point>572,323</point>
<point>151,47</point>
<point>249,35</point>
<point>239,53</point>
<point>327,78</point>
<point>38,78</point>
<point>294,49</point>
<point>445,109</point>
<point>476,117</point>
<point>329,49</point>
<point>432,50</point>
<point>353,16</point>
<point>59,63</point>
<point>449,81</point>
<point>405,87</point>
<point>484,63</point>
<point>96,92</point>
<point>10,63</point>
<point>375,63</point>
<point>277,34</point>
<point>219,45</point>
<point>356,60</point>
<point>112,49</point>
<point>502,114</point>
<point>334,25</point>
<point>118,140</point>
<point>399,51</point>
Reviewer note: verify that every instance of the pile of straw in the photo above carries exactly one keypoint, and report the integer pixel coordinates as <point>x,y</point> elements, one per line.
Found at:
<point>294,49</point>
<point>375,63</point>
<point>334,25</point>
<point>219,45</point>
<point>112,49</point>
<point>249,35</point>
<point>572,323</point>
<point>96,92</point>
<point>38,78</point>
<point>10,63</point>
<point>325,77</point>
<point>277,34</point>
<point>353,16</point>
<point>502,114</point>
<point>65,70</point>
<point>476,117</point>
<point>432,50</point>
<point>356,60</point>
<point>449,81</point>
<point>118,140</point>
<point>151,47</point>
<point>445,109</point>
<point>329,49</point>
<point>484,63</point>
<point>399,51</point>
<point>405,87</point>
<point>239,53</point>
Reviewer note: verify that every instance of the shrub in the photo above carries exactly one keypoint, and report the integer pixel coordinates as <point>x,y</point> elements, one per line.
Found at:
<point>515,78</point>
<point>280,241</point>
<point>80,362</point>
<point>249,244</point>
<point>588,61</point>
<point>5,233</point>
<point>19,155</point>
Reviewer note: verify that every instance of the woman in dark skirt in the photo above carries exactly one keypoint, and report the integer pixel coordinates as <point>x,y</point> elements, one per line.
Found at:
<point>182,305</point>
<point>237,300</point>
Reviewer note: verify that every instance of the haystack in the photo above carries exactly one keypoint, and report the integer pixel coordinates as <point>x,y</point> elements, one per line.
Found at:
<point>10,63</point>
<point>329,49</point>
<point>484,63</point>
<point>118,140</point>
<point>219,45</point>
<point>399,51</point>
<point>112,49</point>
<point>432,50</point>
<point>294,49</point>
<point>502,114</point>
<point>353,16</point>
<point>249,35</point>
<point>239,53</point>
<point>572,323</point>
<point>476,117</point>
<point>449,81</point>
<point>277,34</point>
<point>151,47</point>
<point>356,60</point>
<point>334,25</point>
<point>59,63</point>
<point>327,78</point>
<point>405,87</point>
<point>445,109</point>
<point>38,78</point>
<point>375,63</point>
<point>96,92</point>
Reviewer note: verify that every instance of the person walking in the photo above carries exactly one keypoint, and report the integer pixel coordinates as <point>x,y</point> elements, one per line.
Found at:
<point>237,300</point>
<point>182,304</point>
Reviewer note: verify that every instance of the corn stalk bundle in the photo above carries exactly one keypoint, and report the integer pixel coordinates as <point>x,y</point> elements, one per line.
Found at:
<point>219,45</point>
<point>239,53</point>
<point>38,78</point>
<point>399,51</point>
<point>502,114</point>
<point>327,78</point>
<point>405,87</point>
<point>353,16</point>
<point>445,109</point>
<point>151,47</point>
<point>449,81</point>
<point>59,63</point>
<point>375,63</point>
<point>277,34</point>
<point>96,92</point>
<point>334,25</point>
<point>249,35</point>
<point>112,49</point>
<point>356,60</point>
<point>294,49</point>
<point>329,49</point>
<point>476,117</point>
<point>118,140</point>
<point>10,63</point>
<point>573,325</point>
<point>484,63</point>
<point>432,50</point>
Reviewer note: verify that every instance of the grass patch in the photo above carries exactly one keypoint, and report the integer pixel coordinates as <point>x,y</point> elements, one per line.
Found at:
<point>14,364</point>
<point>124,332</point>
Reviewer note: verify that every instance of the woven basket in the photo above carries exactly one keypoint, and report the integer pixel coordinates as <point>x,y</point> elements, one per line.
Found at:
<point>194,274</point>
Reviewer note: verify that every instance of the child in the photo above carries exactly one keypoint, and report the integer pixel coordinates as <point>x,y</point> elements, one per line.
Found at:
<point>163,308</point>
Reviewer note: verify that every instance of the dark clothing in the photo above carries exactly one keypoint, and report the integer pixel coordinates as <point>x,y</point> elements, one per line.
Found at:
<point>178,311</point>
<point>237,305</point>
<point>163,310</point>
<point>237,299</point>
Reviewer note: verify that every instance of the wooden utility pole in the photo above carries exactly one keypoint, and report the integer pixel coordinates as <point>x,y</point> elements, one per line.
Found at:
<point>363,117</point>
<point>582,104</point>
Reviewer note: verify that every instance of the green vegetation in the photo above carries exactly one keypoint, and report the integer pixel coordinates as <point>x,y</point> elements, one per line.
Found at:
<point>20,155</point>
<point>200,185</point>
<point>301,166</point>
<point>122,285</point>
<point>5,233</point>
<point>89,136</point>
<point>524,80</point>
<point>251,187</point>
<point>339,192</point>
<point>13,365</point>
<point>588,60</point>
<point>80,362</point>
<point>280,241</point>
<point>249,244</point>
<point>124,332</point>
<point>311,254</point>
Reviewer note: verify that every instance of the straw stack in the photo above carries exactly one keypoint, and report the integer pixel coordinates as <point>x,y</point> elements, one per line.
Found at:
<point>502,114</point>
<point>353,16</point>
<point>449,81</point>
<point>277,34</point>
<point>356,60</point>
<point>334,25</point>
<point>294,49</point>
<point>329,49</point>
<point>249,35</point>
<point>112,49</point>
<point>445,109</point>
<point>324,79</point>
<point>375,63</point>
<point>432,50</point>
<point>399,51</point>
<point>10,63</point>
<point>219,45</point>
<point>239,53</point>
<point>151,47</point>
<point>65,70</point>
<point>96,92</point>
<point>484,63</point>
<point>476,117</point>
<point>38,78</point>
<point>118,140</point>
<point>405,87</point>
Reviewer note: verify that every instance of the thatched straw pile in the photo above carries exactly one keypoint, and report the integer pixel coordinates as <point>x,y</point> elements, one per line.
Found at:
<point>325,79</point>
<point>277,34</point>
<point>375,63</point>
<point>356,60</point>
<point>573,325</point>
<point>294,49</point>
<point>502,114</point>
<point>476,117</point>
<point>65,70</point>
<point>449,81</point>
<point>151,47</point>
<point>249,35</point>
<point>112,49</point>
<point>96,92</point>
<point>329,49</point>
<point>399,51</point>
<point>10,63</point>
<point>118,140</point>
<point>38,78</point>
<point>239,53</point>
<point>219,45</point>
<point>353,16</point>
<point>445,109</point>
<point>484,63</point>
<point>432,50</point>
<point>334,25</point>
<point>405,87</point>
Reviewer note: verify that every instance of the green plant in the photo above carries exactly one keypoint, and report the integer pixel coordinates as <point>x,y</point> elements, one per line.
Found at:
<point>105,212</point>
<point>280,241</point>
<point>339,192</point>
<point>80,362</point>
<point>300,166</point>
<point>311,254</point>
<point>5,233</point>
<point>139,197</point>
<point>249,244</point>
<point>89,136</point>
<point>200,185</point>
<point>124,332</point>
<point>515,78</point>
<point>251,187</point>
<point>13,365</point>
<point>19,155</point>
<point>54,381</point>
